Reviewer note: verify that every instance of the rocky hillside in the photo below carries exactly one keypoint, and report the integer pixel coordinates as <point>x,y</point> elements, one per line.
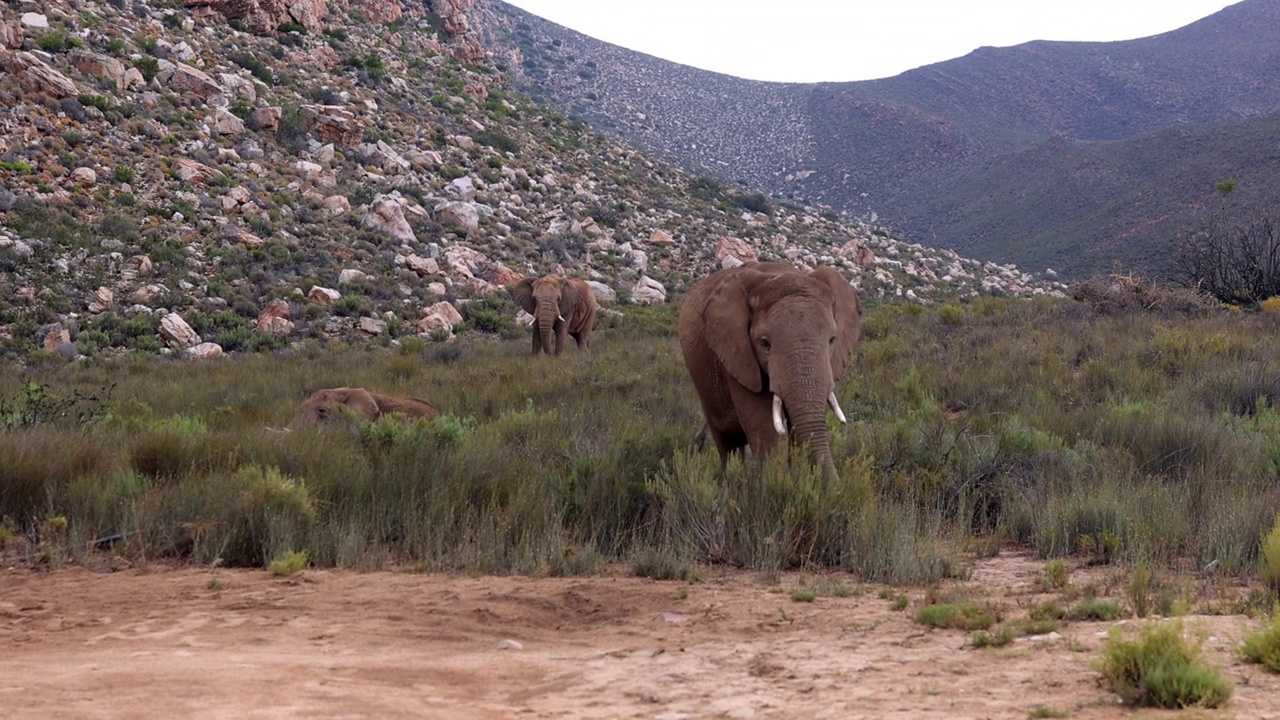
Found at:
<point>240,175</point>
<point>896,146</point>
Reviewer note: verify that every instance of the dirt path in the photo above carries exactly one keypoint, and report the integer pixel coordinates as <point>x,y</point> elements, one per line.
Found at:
<point>166,642</point>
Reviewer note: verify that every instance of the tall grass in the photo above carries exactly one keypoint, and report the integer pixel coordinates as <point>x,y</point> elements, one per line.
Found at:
<point>1110,438</point>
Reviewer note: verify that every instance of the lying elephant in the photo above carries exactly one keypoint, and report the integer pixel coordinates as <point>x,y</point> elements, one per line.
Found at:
<point>327,405</point>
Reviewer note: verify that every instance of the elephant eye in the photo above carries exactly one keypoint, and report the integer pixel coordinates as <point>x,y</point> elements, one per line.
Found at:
<point>764,341</point>
<point>832,341</point>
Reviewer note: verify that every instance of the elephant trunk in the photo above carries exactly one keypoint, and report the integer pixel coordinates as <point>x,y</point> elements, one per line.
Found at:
<point>806,394</point>
<point>547,316</point>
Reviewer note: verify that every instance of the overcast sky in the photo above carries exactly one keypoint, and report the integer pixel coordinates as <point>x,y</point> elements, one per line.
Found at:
<point>834,40</point>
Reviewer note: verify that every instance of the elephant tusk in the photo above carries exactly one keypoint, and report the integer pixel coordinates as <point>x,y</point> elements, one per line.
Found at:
<point>560,318</point>
<point>779,423</point>
<point>835,407</point>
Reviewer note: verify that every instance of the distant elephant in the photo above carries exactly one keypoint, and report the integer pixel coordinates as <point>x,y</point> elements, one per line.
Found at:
<point>765,345</point>
<point>327,405</point>
<point>560,306</point>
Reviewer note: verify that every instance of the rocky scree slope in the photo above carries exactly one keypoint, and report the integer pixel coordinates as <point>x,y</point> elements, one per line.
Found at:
<point>172,182</point>
<point>904,147</point>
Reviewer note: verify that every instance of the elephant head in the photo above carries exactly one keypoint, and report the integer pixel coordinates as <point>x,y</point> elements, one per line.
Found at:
<point>765,345</point>
<point>560,307</point>
<point>340,403</point>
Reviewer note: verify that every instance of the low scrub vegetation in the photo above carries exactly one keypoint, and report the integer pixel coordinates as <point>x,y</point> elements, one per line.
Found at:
<point>1161,668</point>
<point>1103,438</point>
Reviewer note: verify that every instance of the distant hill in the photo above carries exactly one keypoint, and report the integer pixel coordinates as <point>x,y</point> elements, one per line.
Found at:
<point>915,148</point>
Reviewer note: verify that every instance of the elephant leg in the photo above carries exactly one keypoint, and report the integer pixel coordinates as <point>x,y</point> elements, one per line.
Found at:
<point>537,341</point>
<point>562,336</point>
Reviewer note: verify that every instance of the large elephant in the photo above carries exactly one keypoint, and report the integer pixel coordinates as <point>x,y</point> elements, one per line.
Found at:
<point>765,345</point>
<point>327,405</point>
<point>560,307</point>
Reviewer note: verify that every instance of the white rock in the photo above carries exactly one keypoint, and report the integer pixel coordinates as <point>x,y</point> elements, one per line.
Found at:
<point>648,291</point>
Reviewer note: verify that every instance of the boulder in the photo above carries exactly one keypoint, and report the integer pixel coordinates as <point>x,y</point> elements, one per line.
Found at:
<point>265,119</point>
<point>372,326</point>
<point>603,292</point>
<point>189,170</point>
<point>736,247</point>
<point>203,351</point>
<point>442,315</point>
<point>176,333</point>
<point>186,79</point>
<point>35,21</point>
<point>661,237</point>
<point>97,65</point>
<point>323,296</point>
<point>11,36</point>
<point>226,123</point>
<point>336,204</point>
<point>84,177</point>
<point>386,215</point>
<point>101,299</point>
<point>53,335</point>
<point>421,265</point>
<point>34,76</point>
<point>648,291</point>
<point>274,318</point>
<point>351,275</point>
<point>461,216</point>
<point>331,123</point>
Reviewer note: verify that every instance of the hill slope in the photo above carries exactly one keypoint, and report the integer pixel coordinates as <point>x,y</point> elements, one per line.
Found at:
<point>891,146</point>
<point>169,177</point>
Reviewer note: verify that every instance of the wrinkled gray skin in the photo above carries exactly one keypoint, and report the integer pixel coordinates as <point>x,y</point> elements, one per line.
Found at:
<point>561,307</point>
<point>340,404</point>
<point>765,330</point>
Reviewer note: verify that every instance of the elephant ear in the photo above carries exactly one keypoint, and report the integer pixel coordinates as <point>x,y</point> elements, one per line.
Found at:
<point>570,296</point>
<point>728,327</point>
<point>522,293</point>
<point>847,313</point>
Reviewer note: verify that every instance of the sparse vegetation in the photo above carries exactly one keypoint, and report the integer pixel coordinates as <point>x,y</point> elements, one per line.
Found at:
<point>1263,645</point>
<point>1161,668</point>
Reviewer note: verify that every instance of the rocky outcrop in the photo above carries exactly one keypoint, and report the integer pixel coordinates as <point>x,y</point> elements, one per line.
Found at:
<point>265,16</point>
<point>465,40</point>
<point>331,124</point>
<point>379,11</point>
<point>34,76</point>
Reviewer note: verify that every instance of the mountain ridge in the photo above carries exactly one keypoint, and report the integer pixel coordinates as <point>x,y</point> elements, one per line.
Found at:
<point>886,146</point>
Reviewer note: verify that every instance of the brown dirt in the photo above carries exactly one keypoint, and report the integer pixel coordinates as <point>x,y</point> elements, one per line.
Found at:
<point>170,642</point>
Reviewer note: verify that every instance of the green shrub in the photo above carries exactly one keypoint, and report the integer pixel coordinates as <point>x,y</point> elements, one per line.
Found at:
<point>963,615</point>
<point>1160,668</point>
<point>1269,557</point>
<point>1263,645</point>
<point>290,563</point>
<point>1091,608</point>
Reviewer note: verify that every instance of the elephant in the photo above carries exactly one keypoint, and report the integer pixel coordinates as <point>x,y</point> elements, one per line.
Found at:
<point>559,305</point>
<point>327,405</point>
<point>765,345</point>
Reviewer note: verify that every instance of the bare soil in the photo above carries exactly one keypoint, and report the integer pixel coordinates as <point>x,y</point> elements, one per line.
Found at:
<point>163,641</point>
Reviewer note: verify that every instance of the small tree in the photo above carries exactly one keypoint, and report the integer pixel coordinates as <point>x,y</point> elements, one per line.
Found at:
<point>1234,261</point>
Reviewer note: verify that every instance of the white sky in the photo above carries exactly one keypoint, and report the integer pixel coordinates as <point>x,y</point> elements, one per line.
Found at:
<point>838,40</point>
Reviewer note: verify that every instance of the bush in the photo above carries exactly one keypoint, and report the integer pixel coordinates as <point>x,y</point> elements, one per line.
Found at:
<point>959,615</point>
<point>1263,645</point>
<point>1161,669</point>
<point>1269,557</point>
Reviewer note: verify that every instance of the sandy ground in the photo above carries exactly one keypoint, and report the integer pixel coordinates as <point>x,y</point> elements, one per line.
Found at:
<point>164,642</point>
